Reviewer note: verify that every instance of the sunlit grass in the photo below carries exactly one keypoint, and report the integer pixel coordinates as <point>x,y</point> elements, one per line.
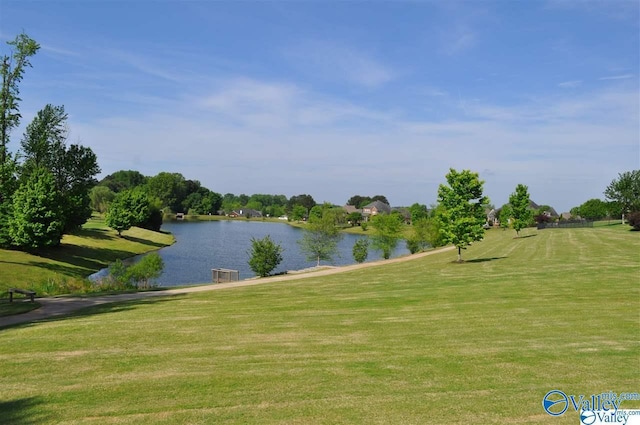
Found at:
<point>425,341</point>
<point>79,255</point>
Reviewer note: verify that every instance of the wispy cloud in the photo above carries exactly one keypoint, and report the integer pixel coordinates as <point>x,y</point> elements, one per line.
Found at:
<point>340,62</point>
<point>570,84</point>
<point>459,40</point>
<point>617,77</point>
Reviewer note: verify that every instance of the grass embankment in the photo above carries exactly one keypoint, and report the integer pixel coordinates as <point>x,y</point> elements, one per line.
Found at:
<point>79,255</point>
<point>425,341</point>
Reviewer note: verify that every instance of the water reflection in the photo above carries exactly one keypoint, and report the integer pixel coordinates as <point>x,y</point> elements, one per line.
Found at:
<point>201,246</point>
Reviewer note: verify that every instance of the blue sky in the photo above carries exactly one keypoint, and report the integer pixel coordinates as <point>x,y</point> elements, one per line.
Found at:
<point>336,99</point>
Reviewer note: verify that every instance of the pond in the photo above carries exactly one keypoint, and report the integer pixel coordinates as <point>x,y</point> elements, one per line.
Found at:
<point>202,246</point>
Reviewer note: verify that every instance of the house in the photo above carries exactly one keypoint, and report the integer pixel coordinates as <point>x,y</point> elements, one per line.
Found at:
<point>246,212</point>
<point>350,209</point>
<point>375,208</point>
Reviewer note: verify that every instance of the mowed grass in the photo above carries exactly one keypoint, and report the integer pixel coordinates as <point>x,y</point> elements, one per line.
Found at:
<point>79,255</point>
<point>425,341</point>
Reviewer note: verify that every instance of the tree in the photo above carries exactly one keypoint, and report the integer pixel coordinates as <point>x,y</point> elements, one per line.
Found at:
<point>359,201</point>
<point>73,168</point>
<point>520,211</point>
<point>37,217</point>
<point>354,218</point>
<point>593,209</point>
<point>298,212</point>
<point>129,208</point>
<point>12,71</point>
<point>305,200</point>
<point>626,191</point>
<point>123,180</point>
<point>634,220</point>
<point>505,216</point>
<point>463,214</point>
<point>170,188</point>
<point>265,255</point>
<point>425,234</point>
<point>418,211</point>
<point>360,250</point>
<point>321,236</point>
<point>101,197</point>
<point>149,267</point>
<point>388,232</point>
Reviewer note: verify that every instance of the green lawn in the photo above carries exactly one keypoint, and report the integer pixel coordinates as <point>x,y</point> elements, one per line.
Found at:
<point>426,341</point>
<point>79,255</point>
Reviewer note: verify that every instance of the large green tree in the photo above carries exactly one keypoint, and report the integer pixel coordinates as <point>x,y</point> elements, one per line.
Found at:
<point>73,167</point>
<point>521,213</point>
<point>170,188</point>
<point>321,236</point>
<point>593,209</point>
<point>625,190</point>
<point>418,211</point>
<point>37,219</point>
<point>11,71</point>
<point>463,209</point>
<point>123,180</point>
<point>388,231</point>
<point>129,208</point>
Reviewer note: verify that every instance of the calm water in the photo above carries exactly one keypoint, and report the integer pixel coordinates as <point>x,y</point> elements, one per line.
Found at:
<point>201,246</point>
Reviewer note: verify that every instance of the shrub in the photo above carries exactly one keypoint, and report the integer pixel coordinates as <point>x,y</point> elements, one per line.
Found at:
<point>360,250</point>
<point>264,256</point>
<point>634,220</point>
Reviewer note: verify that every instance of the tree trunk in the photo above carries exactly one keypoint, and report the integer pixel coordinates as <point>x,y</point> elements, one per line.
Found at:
<point>459,255</point>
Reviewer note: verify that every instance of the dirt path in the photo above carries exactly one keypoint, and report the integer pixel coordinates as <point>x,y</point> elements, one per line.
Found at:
<point>60,306</point>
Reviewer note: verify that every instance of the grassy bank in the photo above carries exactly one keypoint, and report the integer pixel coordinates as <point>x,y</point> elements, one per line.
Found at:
<point>79,255</point>
<point>428,341</point>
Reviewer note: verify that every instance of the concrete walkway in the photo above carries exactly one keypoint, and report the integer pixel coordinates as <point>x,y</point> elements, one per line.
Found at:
<point>59,306</point>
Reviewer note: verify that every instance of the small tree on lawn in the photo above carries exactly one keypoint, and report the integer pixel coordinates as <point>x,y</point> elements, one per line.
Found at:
<point>264,256</point>
<point>361,250</point>
<point>425,234</point>
<point>520,210</point>
<point>388,232</point>
<point>463,214</point>
<point>505,215</point>
<point>321,236</point>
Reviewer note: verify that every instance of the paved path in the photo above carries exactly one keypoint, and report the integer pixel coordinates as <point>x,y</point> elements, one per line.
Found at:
<point>60,306</point>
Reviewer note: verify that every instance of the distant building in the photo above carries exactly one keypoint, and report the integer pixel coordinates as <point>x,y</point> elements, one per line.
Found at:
<point>247,213</point>
<point>375,208</point>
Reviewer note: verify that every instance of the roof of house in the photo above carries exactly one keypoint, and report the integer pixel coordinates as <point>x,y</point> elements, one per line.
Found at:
<point>378,205</point>
<point>351,209</point>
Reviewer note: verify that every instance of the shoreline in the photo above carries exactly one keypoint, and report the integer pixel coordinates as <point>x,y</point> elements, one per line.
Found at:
<point>60,306</point>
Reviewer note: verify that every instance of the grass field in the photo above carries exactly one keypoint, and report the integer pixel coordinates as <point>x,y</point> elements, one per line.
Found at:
<point>425,341</point>
<point>79,255</point>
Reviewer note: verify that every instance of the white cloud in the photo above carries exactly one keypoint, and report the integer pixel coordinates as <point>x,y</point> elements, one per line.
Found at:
<point>458,39</point>
<point>617,77</point>
<point>570,84</point>
<point>249,135</point>
<point>340,62</point>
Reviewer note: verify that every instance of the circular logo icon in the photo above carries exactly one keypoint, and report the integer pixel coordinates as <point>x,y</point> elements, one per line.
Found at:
<point>587,417</point>
<point>555,403</point>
